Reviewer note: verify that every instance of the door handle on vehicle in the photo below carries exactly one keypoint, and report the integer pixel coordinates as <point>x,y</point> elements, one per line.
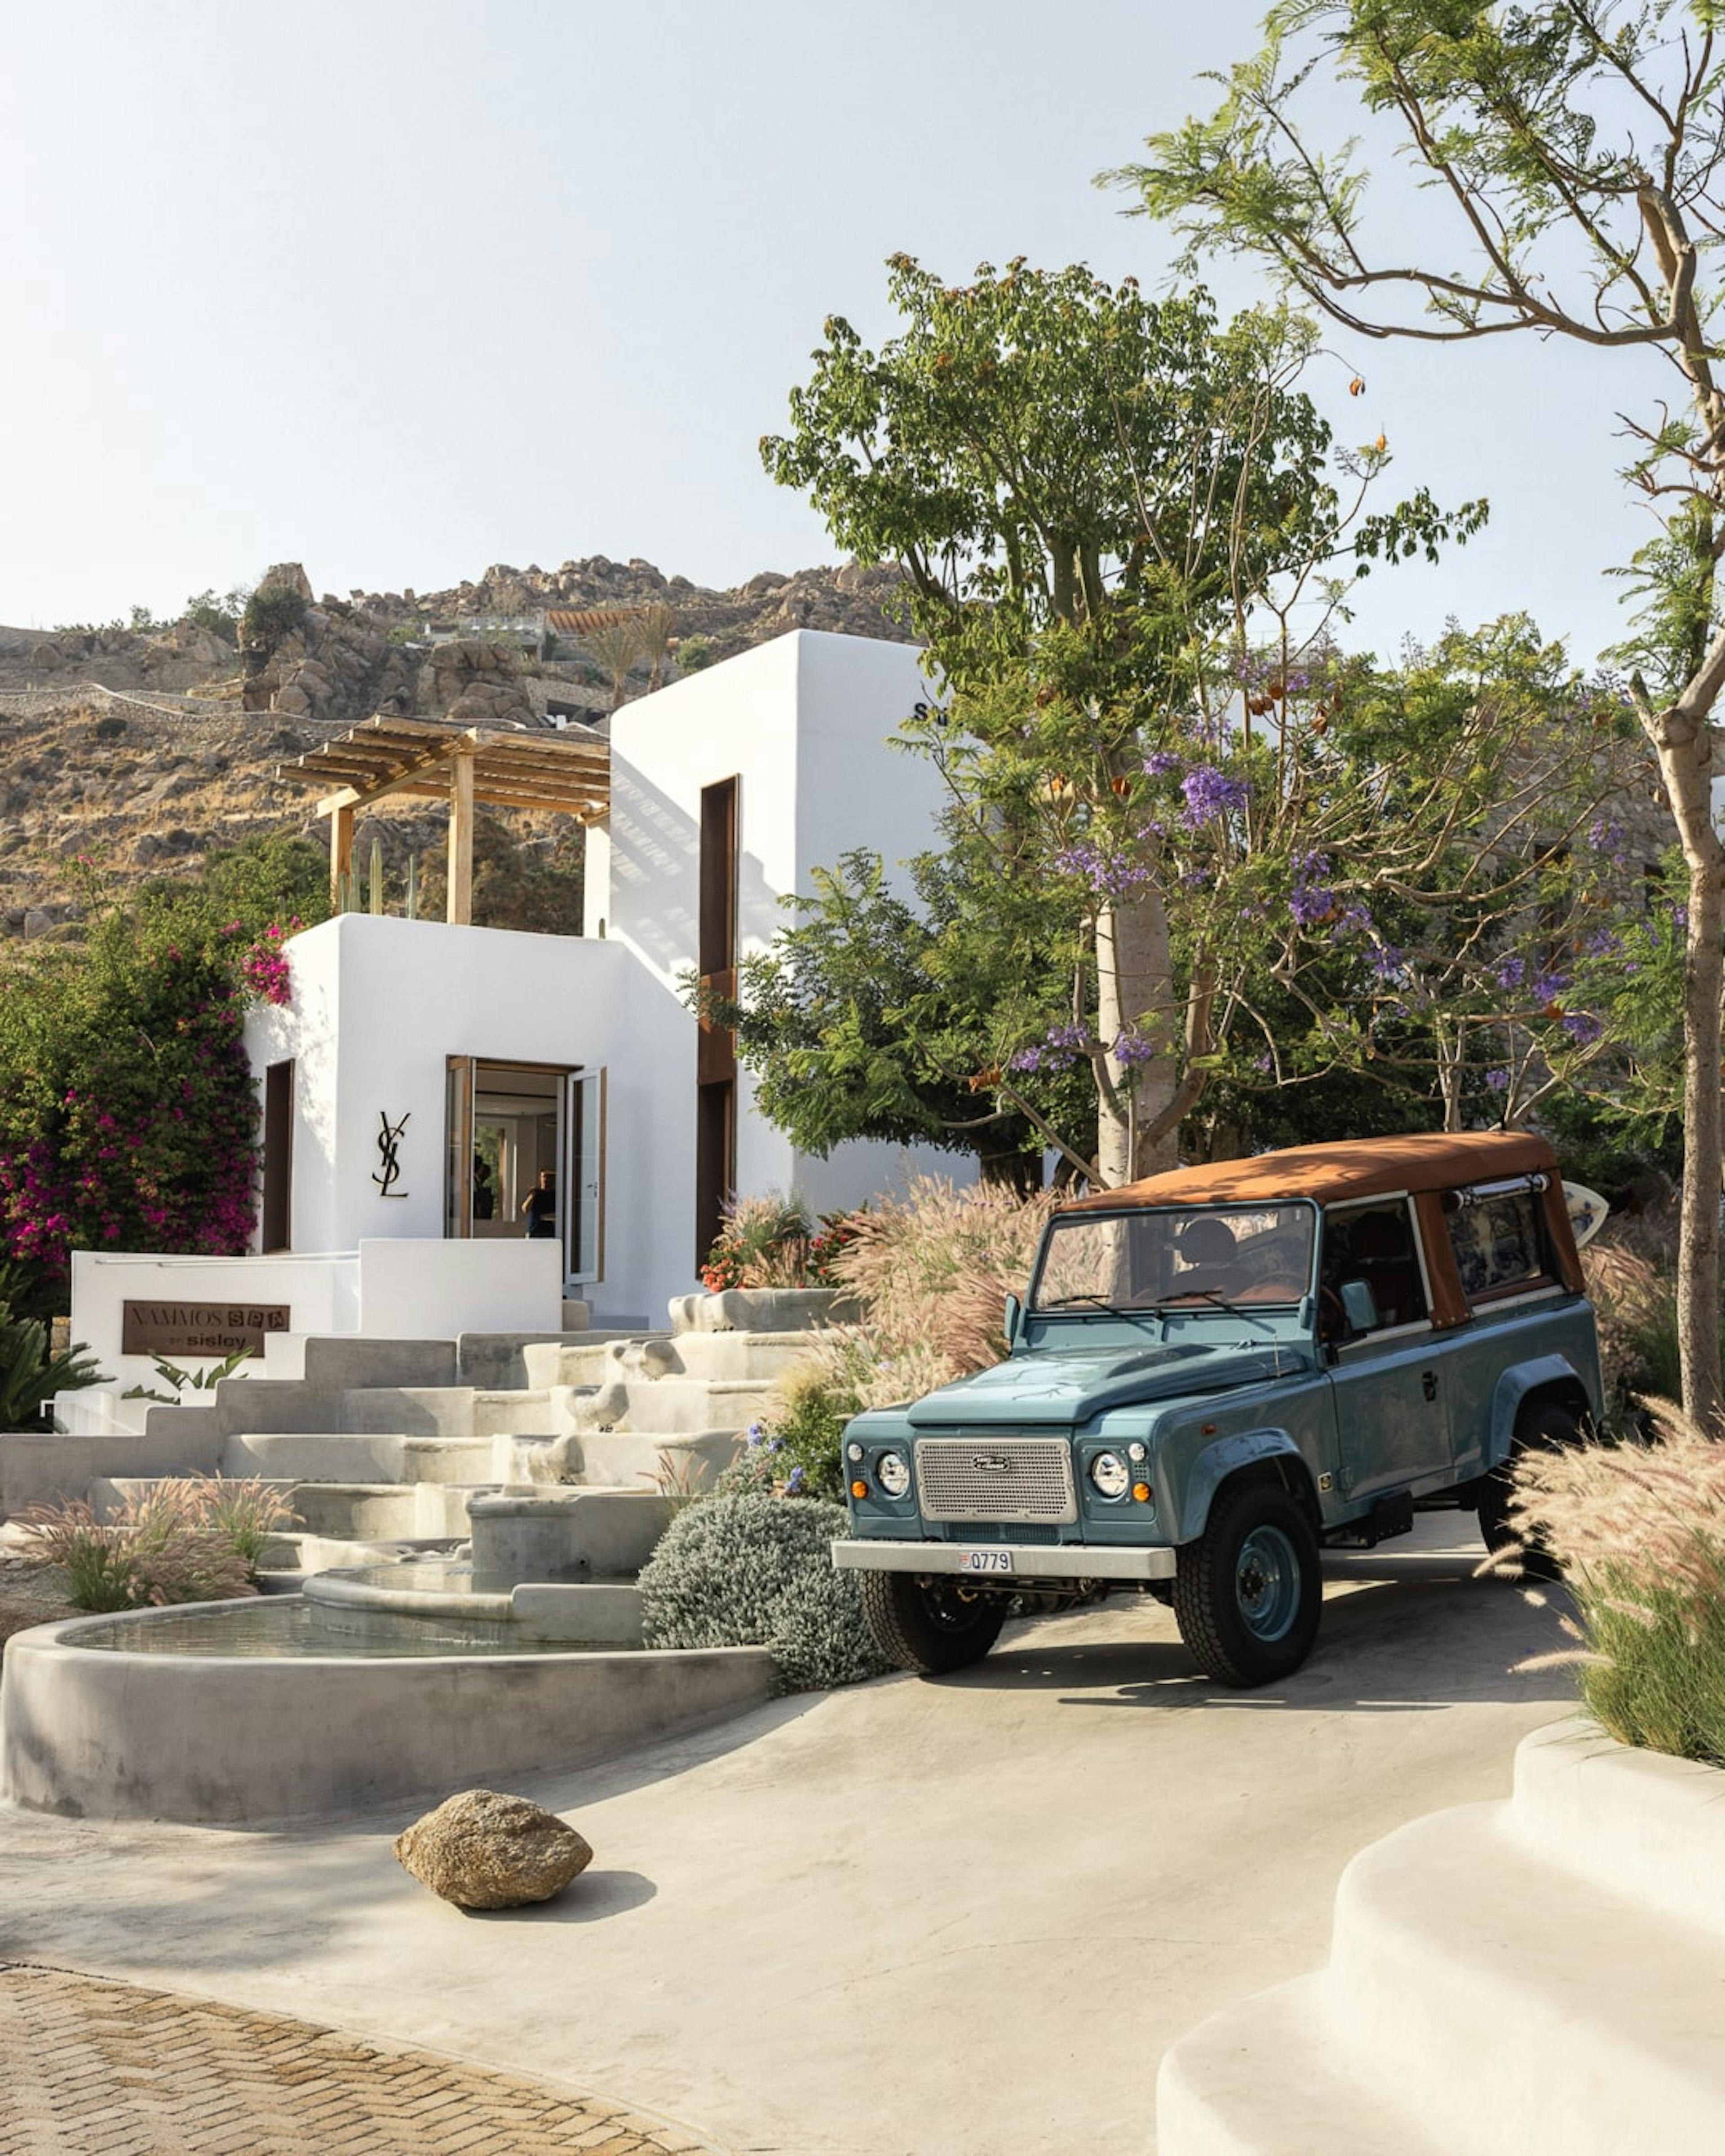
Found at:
<point>1428,1380</point>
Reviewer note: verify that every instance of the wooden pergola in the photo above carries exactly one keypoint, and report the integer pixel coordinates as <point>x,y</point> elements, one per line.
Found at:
<point>463,766</point>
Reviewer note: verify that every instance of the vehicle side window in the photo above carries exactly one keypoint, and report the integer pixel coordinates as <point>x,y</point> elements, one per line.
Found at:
<point>1499,1243</point>
<point>1373,1243</point>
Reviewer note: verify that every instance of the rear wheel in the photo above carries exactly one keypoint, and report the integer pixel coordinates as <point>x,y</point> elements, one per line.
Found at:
<point>1248,1592</point>
<point>929,1626</point>
<point>1541,1429</point>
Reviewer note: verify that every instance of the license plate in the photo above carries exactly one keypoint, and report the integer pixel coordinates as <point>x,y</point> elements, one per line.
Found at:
<point>985,1560</point>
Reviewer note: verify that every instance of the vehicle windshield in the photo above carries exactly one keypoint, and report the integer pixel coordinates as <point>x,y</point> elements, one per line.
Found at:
<point>1221,1257</point>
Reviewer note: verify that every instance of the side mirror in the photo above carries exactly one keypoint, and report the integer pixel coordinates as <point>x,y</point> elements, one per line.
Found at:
<point>1013,1315</point>
<point>1359,1306</point>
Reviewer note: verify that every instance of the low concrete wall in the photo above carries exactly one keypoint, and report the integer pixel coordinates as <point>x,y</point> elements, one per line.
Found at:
<point>39,1471</point>
<point>98,1733</point>
<point>320,1288</point>
<point>415,1288</point>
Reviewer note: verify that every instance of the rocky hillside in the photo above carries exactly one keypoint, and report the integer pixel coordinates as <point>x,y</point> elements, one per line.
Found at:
<point>142,749</point>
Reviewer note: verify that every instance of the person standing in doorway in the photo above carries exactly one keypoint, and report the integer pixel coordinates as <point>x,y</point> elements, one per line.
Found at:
<point>540,1205</point>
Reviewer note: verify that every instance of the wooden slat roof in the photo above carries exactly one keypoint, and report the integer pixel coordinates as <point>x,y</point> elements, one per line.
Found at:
<point>386,756</point>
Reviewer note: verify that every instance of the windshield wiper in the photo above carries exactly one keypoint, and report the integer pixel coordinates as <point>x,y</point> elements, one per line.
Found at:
<point>1221,1302</point>
<point>1101,1301</point>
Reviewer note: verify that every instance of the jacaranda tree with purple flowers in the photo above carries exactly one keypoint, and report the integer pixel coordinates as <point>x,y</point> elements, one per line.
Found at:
<point>1093,496</point>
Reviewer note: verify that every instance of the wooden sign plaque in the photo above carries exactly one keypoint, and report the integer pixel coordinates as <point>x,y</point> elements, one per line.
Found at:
<point>199,1328</point>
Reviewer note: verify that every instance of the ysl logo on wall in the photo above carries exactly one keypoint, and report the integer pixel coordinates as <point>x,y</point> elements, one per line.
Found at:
<point>389,1137</point>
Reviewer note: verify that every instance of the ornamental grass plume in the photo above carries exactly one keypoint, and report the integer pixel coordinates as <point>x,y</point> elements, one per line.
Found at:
<point>1640,1533</point>
<point>931,1269</point>
<point>197,1540</point>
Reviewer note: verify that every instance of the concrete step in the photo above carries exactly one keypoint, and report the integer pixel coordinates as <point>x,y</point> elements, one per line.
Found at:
<point>383,1511</point>
<point>1587,2020</point>
<point>496,1359</point>
<point>564,1534</point>
<point>758,1356</point>
<point>449,1411</point>
<point>358,1456</point>
<point>296,1558</point>
<point>1278,2082</point>
<point>679,1464</point>
<point>759,1310</point>
<point>680,1406</point>
<point>346,1362</point>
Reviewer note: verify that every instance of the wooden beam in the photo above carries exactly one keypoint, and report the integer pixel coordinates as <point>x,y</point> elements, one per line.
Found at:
<point>362,796</point>
<point>340,849</point>
<point>460,906</point>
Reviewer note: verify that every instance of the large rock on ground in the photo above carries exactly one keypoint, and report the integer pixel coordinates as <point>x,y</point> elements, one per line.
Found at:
<point>481,1850</point>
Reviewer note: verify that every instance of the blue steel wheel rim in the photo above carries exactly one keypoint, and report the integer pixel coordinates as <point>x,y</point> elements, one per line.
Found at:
<point>1267,1584</point>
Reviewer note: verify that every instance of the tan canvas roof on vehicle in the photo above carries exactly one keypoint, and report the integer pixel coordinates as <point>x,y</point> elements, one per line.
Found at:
<point>1348,1168</point>
<point>1423,1165</point>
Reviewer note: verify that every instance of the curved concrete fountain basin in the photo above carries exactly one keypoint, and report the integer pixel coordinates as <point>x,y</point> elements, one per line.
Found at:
<point>101,1731</point>
<point>583,1613</point>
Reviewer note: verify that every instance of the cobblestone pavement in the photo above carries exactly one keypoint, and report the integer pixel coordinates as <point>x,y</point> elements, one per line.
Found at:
<point>90,2068</point>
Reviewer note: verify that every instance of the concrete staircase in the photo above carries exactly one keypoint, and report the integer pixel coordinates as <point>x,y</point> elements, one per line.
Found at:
<point>387,1448</point>
<point>1545,1973</point>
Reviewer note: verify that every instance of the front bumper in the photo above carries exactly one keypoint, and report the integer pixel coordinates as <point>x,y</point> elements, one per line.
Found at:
<point>1029,1561</point>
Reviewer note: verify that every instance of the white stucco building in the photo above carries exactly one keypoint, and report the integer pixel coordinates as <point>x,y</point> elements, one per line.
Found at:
<point>423,1073</point>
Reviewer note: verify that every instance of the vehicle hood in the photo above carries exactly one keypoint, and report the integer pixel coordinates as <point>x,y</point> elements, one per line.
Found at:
<point>1071,1385</point>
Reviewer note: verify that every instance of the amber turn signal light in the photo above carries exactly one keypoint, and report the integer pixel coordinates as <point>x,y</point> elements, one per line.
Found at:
<point>1141,1493</point>
<point>859,1489</point>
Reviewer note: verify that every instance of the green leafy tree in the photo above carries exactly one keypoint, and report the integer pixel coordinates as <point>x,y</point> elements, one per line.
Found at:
<point>1092,496</point>
<point>876,1016</point>
<point>1576,147</point>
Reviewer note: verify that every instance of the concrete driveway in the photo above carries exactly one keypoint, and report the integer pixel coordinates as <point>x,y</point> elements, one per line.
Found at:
<point>911,1919</point>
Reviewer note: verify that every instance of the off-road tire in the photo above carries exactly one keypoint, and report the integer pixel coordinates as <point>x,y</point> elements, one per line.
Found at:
<point>930,1628</point>
<point>1540,1429</point>
<point>1211,1602</point>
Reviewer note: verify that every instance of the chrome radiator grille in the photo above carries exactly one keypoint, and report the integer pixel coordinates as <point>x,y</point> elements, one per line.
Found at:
<point>995,1478</point>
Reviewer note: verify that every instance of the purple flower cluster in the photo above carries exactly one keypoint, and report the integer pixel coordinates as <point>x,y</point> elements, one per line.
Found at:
<point>1160,762</point>
<point>1057,1050</point>
<point>1607,836</point>
<point>1211,795</point>
<point>1582,1028</point>
<point>1130,1051</point>
<point>1110,874</point>
<point>1311,900</point>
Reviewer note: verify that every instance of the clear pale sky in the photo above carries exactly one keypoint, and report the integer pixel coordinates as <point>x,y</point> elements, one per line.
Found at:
<point>401,288</point>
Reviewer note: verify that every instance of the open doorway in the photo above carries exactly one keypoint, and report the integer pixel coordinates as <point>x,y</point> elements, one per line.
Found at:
<point>526,1158</point>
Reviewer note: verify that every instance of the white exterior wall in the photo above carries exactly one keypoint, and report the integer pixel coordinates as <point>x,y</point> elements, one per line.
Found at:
<point>804,723</point>
<point>380,1003</point>
<point>321,1290</point>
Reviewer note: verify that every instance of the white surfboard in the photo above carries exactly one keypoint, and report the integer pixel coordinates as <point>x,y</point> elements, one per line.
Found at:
<point>1587,1212</point>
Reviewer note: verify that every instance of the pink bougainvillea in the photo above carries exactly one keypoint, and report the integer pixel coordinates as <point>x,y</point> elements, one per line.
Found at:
<point>265,969</point>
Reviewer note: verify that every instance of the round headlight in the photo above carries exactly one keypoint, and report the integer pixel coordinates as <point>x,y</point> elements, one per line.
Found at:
<point>1108,1471</point>
<point>892,1474</point>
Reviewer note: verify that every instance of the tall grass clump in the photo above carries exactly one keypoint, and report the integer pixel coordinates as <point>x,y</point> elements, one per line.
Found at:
<point>931,1271</point>
<point>1640,1533</point>
<point>194,1541</point>
<point>928,1271</point>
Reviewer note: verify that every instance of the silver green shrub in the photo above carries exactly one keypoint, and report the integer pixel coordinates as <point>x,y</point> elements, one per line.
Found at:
<point>755,1571</point>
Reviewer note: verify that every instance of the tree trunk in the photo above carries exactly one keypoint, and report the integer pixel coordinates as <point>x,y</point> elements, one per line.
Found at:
<point>1135,994</point>
<point>1685,745</point>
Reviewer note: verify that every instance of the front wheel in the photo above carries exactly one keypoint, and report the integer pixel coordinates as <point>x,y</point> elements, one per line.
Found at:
<point>1248,1592</point>
<point>929,1626</point>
